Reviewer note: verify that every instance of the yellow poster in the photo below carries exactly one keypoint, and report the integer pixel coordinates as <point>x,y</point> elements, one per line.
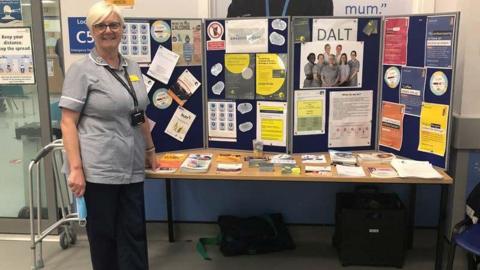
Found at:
<point>122,3</point>
<point>271,76</point>
<point>272,123</point>
<point>433,128</point>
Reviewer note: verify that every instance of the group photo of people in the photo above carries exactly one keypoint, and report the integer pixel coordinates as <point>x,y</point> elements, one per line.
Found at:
<point>331,64</point>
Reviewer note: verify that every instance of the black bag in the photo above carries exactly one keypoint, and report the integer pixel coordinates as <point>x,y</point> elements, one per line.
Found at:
<point>252,235</point>
<point>473,204</point>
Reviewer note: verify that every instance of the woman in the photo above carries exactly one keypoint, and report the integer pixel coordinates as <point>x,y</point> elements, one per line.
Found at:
<point>308,70</point>
<point>344,70</point>
<point>354,68</point>
<point>108,142</point>
<point>330,74</point>
<point>317,71</point>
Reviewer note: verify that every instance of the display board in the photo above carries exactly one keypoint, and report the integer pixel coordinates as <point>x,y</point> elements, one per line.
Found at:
<point>247,81</point>
<point>419,55</point>
<point>335,83</point>
<point>170,54</point>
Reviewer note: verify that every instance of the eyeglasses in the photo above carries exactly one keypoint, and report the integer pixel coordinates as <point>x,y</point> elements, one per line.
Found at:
<point>102,27</point>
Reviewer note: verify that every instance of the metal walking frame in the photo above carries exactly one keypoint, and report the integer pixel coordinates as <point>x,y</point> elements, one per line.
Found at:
<point>64,197</point>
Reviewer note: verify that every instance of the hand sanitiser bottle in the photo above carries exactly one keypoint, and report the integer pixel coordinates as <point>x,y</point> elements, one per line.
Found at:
<point>81,210</point>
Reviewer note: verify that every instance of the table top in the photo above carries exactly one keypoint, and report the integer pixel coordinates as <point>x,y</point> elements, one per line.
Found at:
<point>254,174</point>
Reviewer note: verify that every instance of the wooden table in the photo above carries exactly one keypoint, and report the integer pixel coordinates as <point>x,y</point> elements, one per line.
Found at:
<point>253,174</point>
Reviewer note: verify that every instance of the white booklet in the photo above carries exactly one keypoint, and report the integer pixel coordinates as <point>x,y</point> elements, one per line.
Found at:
<point>352,171</point>
<point>163,64</point>
<point>180,123</point>
<point>197,163</point>
<point>414,168</point>
<point>313,159</point>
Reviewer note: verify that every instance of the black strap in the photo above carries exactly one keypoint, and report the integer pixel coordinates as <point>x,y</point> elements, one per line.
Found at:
<point>128,87</point>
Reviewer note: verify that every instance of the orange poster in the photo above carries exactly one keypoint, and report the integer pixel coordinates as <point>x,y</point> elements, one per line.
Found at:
<point>391,130</point>
<point>122,3</point>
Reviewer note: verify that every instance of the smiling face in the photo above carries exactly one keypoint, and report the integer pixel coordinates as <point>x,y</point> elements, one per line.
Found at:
<point>108,38</point>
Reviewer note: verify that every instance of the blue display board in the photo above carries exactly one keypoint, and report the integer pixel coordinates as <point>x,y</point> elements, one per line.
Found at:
<point>430,61</point>
<point>215,54</point>
<point>162,34</point>
<point>362,35</point>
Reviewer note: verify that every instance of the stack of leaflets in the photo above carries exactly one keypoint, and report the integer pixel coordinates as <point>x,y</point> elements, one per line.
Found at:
<point>376,157</point>
<point>197,163</point>
<point>350,171</point>
<point>283,159</point>
<point>229,163</point>
<point>343,158</point>
<point>255,161</point>
<point>169,163</point>
<point>313,159</point>
<point>318,170</point>
<point>229,167</point>
<point>413,168</point>
<point>382,172</point>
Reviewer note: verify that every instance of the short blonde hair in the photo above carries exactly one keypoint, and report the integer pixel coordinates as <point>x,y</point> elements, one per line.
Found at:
<point>101,10</point>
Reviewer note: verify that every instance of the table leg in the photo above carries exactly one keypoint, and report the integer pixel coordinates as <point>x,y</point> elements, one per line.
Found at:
<point>168,190</point>
<point>411,214</point>
<point>441,227</point>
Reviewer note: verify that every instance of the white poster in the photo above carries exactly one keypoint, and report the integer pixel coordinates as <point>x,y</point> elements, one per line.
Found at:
<point>246,36</point>
<point>16,61</point>
<point>180,123</point>
<point>222,121</point>
<point>331,64</point>
<point>309,113</point>
<point>272,123</point>
<point>350,118</point>
<point>334,29</point>
<point>163,64</point>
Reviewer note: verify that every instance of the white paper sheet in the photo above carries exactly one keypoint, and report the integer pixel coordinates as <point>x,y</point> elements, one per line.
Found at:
<point>352,171</point>
<point>163,64</point>
<point>148,83</point>
<point>180,123</point>
<point>350,118</point>
<point>246,36</point>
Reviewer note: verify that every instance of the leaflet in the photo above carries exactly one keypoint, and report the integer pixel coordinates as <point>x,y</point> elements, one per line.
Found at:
<point>184,88</point>
<point>433,128</point>
<point>272,123</point>
<point>163,64</point>
<point>412,89</point>
<point>396,41</point>
<point>391,129</point>
<point>180,123</point>
<point>350,118</point>
<point>309,112</point>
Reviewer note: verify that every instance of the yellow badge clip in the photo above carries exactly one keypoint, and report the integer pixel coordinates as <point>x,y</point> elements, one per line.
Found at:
<point>134,78</point>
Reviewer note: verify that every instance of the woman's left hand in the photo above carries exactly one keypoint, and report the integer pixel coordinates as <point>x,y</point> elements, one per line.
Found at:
<point>151,160</point>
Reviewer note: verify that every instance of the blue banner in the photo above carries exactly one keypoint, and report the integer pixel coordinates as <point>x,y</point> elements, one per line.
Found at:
<point>10,10</point>
<point>80,39</point>
<point>412,89</point>
<point>439,48</point>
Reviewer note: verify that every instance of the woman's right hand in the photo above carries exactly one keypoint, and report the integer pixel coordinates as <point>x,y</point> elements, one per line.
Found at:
<point>76,182</point>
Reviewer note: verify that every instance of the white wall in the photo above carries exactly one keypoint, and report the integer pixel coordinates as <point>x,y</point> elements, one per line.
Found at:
<point>467,93</point>
<point>142,8</point>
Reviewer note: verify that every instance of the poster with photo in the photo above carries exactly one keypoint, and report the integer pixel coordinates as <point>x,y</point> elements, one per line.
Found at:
<point>187,41</point>
<point>331,64</point>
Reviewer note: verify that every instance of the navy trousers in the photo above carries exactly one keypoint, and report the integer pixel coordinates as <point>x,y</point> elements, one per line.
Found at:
<point>116,226</point>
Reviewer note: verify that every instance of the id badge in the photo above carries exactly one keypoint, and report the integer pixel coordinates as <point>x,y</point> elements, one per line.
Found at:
<point>137,118</point>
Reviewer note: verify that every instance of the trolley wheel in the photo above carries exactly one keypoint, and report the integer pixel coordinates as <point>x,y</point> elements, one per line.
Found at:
<point>64,241</point>
<point>73,235</point>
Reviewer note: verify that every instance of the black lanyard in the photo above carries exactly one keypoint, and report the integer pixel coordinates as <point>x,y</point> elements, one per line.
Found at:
<point>129,87</point>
